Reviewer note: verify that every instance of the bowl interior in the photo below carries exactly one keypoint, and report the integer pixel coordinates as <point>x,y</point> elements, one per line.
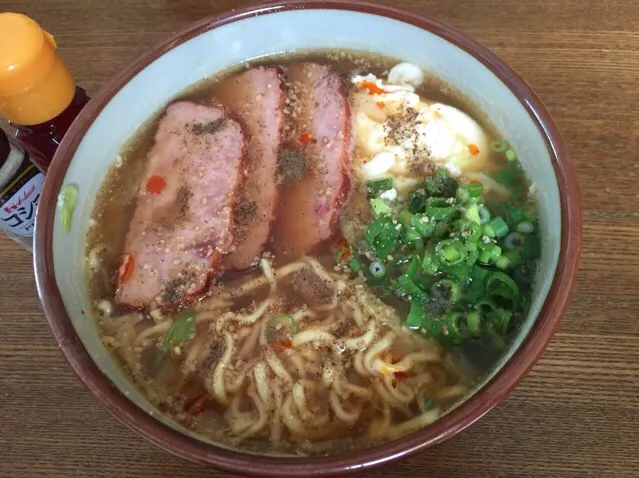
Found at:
<point>256,36</point>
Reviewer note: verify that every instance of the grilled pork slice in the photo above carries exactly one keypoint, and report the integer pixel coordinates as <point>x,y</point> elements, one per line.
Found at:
<point>182,224</point>
<point>256,97</point>
<point>315,161</point>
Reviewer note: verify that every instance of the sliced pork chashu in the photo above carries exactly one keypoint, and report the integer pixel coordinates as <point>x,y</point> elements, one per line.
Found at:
<point>316,158</point>
<point>256,97</point>
<point>182,225</point>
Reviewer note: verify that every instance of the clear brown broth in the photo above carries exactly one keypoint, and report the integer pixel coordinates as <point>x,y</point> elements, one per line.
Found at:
<point>114,208</point>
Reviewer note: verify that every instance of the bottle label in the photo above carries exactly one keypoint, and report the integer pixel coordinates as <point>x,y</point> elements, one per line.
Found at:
<point>19,199</point>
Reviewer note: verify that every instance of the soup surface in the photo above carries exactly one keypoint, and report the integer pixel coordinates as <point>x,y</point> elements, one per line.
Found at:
<point>312,253</point>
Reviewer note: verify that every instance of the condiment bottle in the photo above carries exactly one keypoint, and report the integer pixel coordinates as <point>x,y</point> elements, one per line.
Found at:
<point>20,185</point>
<point>37,92</point>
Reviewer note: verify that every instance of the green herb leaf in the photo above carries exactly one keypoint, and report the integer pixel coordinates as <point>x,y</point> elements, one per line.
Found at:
<point>380,208</point>
<point>416,316</point>
<point>379,185</point>
<point>67,201</point>
<point>381,236</point>
<point>429,403</point>
<point>179,332</point>
<point>284,320</point>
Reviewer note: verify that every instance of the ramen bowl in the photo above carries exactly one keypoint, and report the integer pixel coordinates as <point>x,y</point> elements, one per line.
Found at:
<point>129,99</point>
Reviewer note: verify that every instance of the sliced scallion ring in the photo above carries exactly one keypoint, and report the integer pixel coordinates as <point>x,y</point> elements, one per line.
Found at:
<point>67,201</point>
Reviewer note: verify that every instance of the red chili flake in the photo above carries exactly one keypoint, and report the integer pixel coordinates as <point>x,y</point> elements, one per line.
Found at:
<point>281,346</point>
<point>155,184</point>
<point>307,138</point>
<point>125,269</point>
<point>198,406</point>
<point>217,259</point>
<point>339,241</point>
<point>372,88</point>
<point>473,149</point>
<point>380,105</point>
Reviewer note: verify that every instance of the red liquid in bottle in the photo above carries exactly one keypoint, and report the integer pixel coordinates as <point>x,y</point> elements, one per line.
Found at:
<point>42,140</point>
<point>38,94</point>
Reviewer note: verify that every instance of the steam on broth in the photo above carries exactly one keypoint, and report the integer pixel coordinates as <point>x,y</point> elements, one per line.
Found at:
<point>391,239</point>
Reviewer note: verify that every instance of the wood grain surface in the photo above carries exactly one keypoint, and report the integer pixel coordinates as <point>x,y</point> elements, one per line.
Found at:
<point>575,415</point>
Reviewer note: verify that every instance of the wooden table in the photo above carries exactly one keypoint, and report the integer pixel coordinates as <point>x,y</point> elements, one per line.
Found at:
<point>575,415</point>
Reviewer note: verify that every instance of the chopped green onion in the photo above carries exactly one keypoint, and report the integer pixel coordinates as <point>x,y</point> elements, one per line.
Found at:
<point>501,285</point>
<point>485,306</point>
<point>459,272</point>
<point>489,253</point>
<point>429,403</point>
<point>402,260</point>
<point>511,155</point>
<point>446,289</point>
<point>67,202</point>
<point>462,195</point>
<point>532,247</point>
<point>456,326</point>
<point>284,319</point>
<point>417,201</point>
<point>468,230</point>
<point>500,318</point>
<point>515,215</point>
<point>179,333</point>
<point>525,227</point>
<point>380,208</point>
<point>413,268</point>
<point>439,209</point>
<point>422,225</point>
<point>441,228</point>
<point>429,264</point>
<point>411,235</point>
<point>499,146</point>
<point>496,227</point>
<point>438,330</point>
<point>406,287</point>
<point>405,218</point>
<point>472,214</point>
<point>380,185</point>
<point>477,284</point>
<point>355,265</point>
<point>377,269</point>
<point>473,190</point>
<point>509,174</point>
<point>381,236</point>
<point>416,315</point>
<point>473,253</point>
<point>484,214</point>
<point>502,262</point>
<point>514,240</point>
<point>473,323</point>
<point>451,252</point>
<point>513,256</point>
<point>509,258</point>
<point>441,184</point>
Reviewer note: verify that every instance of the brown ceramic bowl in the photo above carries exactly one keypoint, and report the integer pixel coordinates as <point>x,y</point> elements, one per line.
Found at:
<point>213,44</point>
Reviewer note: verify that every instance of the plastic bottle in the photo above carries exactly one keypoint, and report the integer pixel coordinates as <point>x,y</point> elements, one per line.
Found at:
<point>37,92</point>
<point>20,187</point>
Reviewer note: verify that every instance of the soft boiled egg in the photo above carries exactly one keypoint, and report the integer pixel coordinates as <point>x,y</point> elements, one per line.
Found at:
<point>400,135</point>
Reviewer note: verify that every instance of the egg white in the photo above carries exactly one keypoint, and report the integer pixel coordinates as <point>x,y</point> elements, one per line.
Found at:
<point>453,139</point>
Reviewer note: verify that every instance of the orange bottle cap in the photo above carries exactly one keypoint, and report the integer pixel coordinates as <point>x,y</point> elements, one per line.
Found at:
<point>35,85</point>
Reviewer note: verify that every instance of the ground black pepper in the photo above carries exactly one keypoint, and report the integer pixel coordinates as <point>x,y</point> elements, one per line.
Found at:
<point>208,128</point>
